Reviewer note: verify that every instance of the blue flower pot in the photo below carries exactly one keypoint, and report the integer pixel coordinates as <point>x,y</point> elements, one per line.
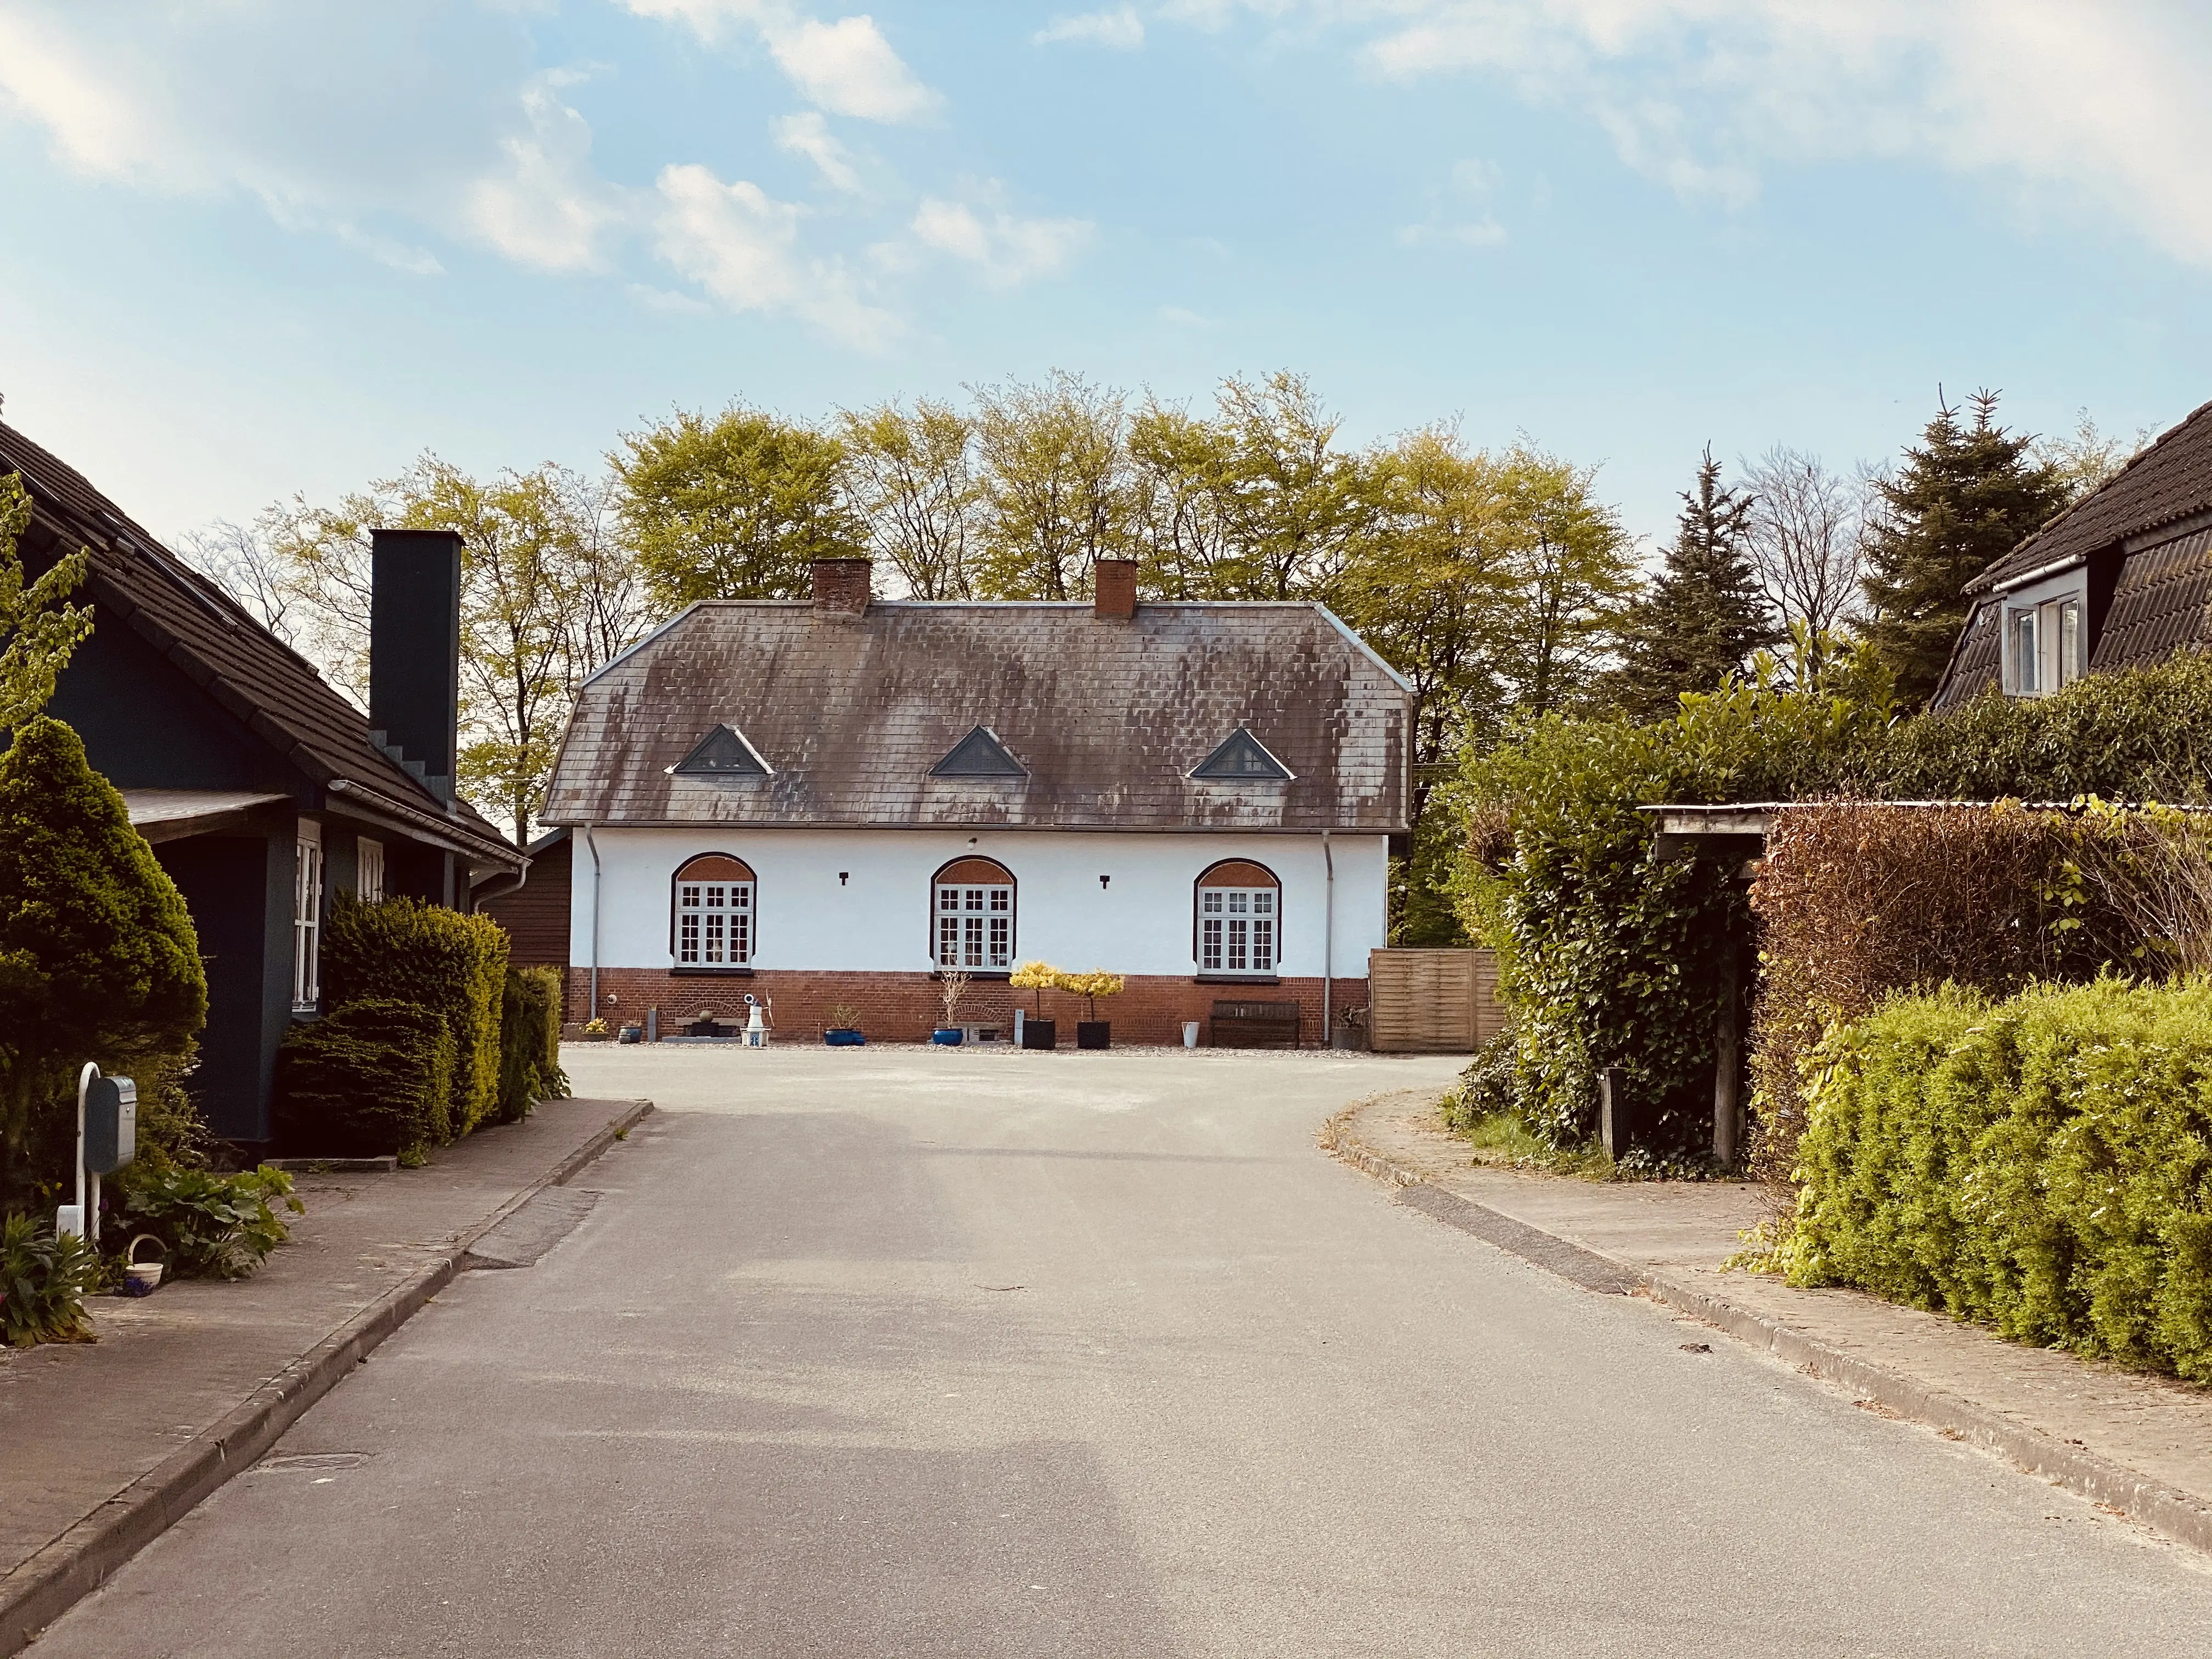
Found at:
<point>946,1036</point>
<point>844,1037</point>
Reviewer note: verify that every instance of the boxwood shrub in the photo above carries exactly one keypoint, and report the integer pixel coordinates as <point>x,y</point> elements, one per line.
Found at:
<point>373,1078</point>
<point>2042,1165</point>
<point>401,950</point>
<point>530,1041</point>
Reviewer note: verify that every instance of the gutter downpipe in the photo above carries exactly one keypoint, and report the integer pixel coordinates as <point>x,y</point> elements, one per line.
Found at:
<point>1327,938</point>
<point>592,847</point>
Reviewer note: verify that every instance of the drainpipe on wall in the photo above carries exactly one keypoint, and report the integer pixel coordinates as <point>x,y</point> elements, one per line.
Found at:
<point>1327,938</point>
<point>592,848</point>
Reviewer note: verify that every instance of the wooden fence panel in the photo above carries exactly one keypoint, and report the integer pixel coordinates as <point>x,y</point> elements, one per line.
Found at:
<point>1432,1001</point>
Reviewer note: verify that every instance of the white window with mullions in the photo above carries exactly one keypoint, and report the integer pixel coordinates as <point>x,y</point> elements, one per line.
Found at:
<point>974,917</point>
<point>307,918</point>
<point>1239,919</point>
<point>715,913</point>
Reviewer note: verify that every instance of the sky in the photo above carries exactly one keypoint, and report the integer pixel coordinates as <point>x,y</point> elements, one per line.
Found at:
<point>251,247</point>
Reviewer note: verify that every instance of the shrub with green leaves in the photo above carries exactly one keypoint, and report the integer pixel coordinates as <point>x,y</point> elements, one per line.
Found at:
<point>369,1079</point>
<point>212,1226</point>
<point>530,1042</point>
<point>2042,1165</point>
<point>43,1282</point>
<point>401,950</point>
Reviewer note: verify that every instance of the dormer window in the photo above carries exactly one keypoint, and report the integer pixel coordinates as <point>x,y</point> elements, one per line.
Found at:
<point>980,755</point>
<point>1241,758</point>
<point>723,753</point>
<point>2046,645</point>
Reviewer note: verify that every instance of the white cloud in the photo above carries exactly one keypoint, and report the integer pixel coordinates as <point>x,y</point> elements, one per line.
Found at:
<point>741,245</point>
<point>2102,104</point>
<point>545,207</point>
<point>1485,232</point>
<point>846,67</point>
<point>809,135</point>
<point>1183,318</point>
<point>1008,251</point>
<point>1120,31</point>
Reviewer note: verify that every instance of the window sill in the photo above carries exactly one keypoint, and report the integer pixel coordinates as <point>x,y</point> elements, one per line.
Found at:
<point>1238,979</point>
<point>979,976</point>
<point>710,973</point>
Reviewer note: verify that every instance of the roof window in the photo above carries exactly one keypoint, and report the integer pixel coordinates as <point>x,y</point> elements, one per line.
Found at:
<point>978,755</point>
<point>1241,758</point>
<point>723,753</point>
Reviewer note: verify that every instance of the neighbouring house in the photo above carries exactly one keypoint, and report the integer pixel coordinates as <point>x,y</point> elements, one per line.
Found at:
<point>262,788</point>
<point>535,914</point>
<point>2120,580</point>
<point>839,801</point>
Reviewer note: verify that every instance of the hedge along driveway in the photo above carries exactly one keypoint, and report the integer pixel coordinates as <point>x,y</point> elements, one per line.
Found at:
<point>2042,1164</point>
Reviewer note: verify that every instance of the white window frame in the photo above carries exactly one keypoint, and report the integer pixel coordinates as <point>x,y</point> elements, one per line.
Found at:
<point>973,926</point>
<point>368,870</point>
<point>716,922</point>
<point>307,918</point>
<point>2045,647</point>
<point>1240,931</point>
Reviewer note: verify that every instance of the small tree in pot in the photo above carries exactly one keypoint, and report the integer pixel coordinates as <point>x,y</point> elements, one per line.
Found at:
<point>951,985</point>
<point>1092,1032</point>
<point>1038,977</point>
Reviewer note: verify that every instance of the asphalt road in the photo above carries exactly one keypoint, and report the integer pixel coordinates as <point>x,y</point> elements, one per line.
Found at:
<point>884,1351</point>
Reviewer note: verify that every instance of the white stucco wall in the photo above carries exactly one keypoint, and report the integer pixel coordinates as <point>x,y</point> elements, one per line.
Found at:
<point>878,920</point>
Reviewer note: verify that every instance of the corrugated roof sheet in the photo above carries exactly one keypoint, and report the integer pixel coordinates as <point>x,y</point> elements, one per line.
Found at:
<point>1977,661</point>
<point>2170,481</point>
<point>220,646</point>
<point>1108,719</point>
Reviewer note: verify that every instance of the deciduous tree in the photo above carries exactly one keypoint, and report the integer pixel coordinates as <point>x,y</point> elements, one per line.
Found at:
<point>1055,483</point>
<point>911,474</point>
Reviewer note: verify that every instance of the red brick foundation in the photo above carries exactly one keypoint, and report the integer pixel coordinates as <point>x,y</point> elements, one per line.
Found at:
<point>906,1007</point>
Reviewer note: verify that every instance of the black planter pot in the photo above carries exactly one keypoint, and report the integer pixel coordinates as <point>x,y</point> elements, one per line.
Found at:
<point>1092,1033</point>
<point>1040,1034</point>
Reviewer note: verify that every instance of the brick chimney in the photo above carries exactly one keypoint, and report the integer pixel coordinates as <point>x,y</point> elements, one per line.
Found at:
<point>841,586</point>
<point>1114,587</point>
<point>415,651</point>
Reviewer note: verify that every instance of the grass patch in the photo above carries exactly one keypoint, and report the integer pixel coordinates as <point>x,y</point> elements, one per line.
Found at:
<point>1503,1141</point>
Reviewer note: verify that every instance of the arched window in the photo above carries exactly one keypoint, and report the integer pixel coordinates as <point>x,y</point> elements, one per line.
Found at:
<point>713,923</point>
<point>972,916</point>
<point>1240,912</point>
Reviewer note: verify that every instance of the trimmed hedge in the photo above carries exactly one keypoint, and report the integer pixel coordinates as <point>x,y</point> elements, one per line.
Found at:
<point>401,950</point>
<point>2042,1165</point>
<point>530,1042</point>
<point>368,1079</point>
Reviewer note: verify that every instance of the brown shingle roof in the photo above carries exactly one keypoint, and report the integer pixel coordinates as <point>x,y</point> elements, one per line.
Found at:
<point>224,648</point>
<point>1108,719</point>
<point>2170,481</point>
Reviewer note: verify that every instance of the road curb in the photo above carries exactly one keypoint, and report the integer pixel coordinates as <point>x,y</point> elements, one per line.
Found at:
<point>2175,1513</point>
<point>72,1566</point>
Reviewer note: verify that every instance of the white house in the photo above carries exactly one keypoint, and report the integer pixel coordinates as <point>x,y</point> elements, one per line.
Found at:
<point>834,802</point>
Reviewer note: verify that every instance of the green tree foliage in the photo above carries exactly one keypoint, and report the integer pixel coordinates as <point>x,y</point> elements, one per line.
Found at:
<point>1574,570</point>
<point>911,475</point>
<point>1055,492</point>
<point>731,508</point>
<point>1968,493</point>
<point>41,629</point>
<point>1704,615</point>
<point>98,957</point>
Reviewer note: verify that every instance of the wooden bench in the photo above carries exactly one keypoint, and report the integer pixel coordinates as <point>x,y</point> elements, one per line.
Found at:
<point>1254,1025</point>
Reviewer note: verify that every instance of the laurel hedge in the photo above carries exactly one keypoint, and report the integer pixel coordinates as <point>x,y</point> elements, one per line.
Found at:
<point>2041,1163</point>
<point>530,1041</point>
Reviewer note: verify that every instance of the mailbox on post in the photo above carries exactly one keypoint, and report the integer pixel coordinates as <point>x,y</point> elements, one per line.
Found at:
<point>110,1124</point>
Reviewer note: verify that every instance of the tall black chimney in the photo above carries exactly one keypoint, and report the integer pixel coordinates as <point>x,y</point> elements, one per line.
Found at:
<point>415,650</point>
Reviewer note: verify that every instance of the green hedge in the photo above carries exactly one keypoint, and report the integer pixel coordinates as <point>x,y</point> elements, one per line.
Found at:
<point>530,1041</point>
<point>401,950</point>
<point>2042,1164</point>
<point>370,1079</point>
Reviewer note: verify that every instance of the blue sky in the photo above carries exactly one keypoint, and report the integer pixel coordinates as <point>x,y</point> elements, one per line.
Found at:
<point>254,247</point>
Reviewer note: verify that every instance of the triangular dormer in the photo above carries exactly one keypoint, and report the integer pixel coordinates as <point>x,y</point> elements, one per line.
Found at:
<point>723,753</point>
<point>979,755</point>
<point>1241,758</point>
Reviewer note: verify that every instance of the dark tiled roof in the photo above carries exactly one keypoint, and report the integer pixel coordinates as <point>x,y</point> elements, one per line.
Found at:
<point>2159,603</point>
<point>222,647</point>
<point>1106,717</point>
<point>2170,481</point>
<point>1976,660</point>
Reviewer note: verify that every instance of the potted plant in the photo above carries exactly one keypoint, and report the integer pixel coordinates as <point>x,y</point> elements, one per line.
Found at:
<point>1093,1032</point>
<point>952,985</point>
<point>844,1031</point>
<point>1038,977</point>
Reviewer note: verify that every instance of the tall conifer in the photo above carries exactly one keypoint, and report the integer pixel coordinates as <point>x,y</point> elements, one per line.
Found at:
<point>1969,492</point>
<point>1705,614</point>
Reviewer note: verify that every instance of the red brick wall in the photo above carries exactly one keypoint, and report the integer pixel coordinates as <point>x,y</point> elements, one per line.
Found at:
<point>904,1007</point>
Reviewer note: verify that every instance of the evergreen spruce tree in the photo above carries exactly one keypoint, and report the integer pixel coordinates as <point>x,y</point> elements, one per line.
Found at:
<point>1969,494</point>
<point>1705,614</point>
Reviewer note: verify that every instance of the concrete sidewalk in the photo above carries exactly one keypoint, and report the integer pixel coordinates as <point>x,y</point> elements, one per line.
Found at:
<point>2137,1444</point>
<point>102,1446</point>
